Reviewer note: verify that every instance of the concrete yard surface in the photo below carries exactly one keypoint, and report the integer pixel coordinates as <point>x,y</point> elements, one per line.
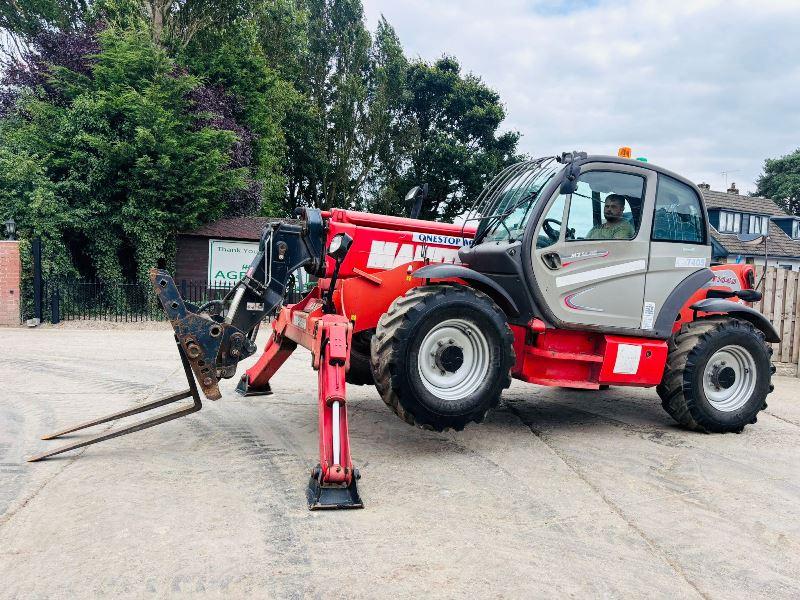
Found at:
<point>558,494</point>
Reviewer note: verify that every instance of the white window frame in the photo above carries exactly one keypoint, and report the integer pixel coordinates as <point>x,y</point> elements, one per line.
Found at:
<point>729,222</point>
<point>723,221</point>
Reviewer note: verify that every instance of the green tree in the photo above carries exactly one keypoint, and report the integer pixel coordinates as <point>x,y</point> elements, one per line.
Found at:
<point>781,181</point>
<point>234,60</point>
<point>122,159</point>
<point>23,19</point>
<point>333,81</point>
<point>450,132</point>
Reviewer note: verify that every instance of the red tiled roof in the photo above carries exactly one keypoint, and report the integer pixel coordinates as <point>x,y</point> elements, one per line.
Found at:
<point>239,228</point>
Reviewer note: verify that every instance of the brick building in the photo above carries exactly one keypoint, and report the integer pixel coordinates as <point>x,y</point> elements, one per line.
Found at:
<point>194,247</point>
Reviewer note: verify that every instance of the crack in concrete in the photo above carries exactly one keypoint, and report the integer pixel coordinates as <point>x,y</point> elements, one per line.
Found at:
<point>651,544</point>
<point>785,420</point>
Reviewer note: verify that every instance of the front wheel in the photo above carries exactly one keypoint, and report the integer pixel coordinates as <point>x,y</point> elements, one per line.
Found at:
<point>442,355</point>
<point>718,375</point>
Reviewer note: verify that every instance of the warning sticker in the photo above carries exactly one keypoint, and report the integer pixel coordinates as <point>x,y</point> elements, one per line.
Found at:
<point>648,315</point>
<point>255,306</point>
<point>627,362</point>
<point>299,320</point>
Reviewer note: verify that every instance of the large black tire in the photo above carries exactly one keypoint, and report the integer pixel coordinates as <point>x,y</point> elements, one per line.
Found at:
<point>683,390</point>
<point>360,372</point>
<point>396,348</point>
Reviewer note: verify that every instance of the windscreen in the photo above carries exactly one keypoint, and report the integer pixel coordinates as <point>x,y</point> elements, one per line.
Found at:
<point>512,196</point>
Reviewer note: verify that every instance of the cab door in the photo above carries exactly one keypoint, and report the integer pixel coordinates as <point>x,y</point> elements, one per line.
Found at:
<point>590,264</point>
<point>679,246</point>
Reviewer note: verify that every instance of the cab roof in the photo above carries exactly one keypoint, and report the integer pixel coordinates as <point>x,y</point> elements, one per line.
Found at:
<point>592,158</point>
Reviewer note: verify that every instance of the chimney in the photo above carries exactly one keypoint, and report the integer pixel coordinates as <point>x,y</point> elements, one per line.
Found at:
<point>732,189</point>
<point>704,186</point>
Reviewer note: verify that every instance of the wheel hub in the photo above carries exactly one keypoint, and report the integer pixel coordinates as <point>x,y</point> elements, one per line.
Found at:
<point>449,358</point>
<point>454,359</point>
<point>729,378</point>
<point>723,377</point>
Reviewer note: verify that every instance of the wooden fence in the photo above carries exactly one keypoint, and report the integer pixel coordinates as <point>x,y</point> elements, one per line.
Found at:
<point>781,305</point>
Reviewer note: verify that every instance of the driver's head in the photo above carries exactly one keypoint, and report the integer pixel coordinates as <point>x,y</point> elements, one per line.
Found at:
<point>614,205</point>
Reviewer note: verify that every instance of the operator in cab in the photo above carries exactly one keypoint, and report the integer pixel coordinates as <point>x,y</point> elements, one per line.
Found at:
<point>616,226</point>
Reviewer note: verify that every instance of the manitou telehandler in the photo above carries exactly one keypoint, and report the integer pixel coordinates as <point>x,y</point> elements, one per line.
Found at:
<point>577,271</point>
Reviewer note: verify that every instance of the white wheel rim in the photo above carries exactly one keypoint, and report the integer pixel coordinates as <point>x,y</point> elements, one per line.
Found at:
<point>729,378</point>
<point>468,377</point>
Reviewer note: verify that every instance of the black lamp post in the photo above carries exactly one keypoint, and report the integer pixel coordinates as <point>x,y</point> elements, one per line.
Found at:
<point>11,229</point>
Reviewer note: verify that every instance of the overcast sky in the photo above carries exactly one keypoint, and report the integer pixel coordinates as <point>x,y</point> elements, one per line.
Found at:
<point>697,86</point>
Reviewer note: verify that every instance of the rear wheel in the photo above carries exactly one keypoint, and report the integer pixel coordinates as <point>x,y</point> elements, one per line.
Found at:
<point>442,355</point>
<point>717,376</point>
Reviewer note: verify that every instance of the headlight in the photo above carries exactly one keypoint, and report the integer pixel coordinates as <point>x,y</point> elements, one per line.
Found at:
<point>339,246</point>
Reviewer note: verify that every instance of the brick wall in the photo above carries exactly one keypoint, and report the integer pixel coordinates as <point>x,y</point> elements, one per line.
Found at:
<point>191,258</point>
<point>9,283</point>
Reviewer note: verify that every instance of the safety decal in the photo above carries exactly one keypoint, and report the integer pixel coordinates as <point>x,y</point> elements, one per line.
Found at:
<point>299,320</point>
<point>689,261</point>
<point>621,269</point>
<point>258,306</point>
<point>648,315</point>
<point>627,362</point>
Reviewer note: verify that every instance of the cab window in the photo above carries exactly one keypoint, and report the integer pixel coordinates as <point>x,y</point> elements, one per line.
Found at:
<point>550,229</point>
<point>679,215</point>
<point>605,206</point>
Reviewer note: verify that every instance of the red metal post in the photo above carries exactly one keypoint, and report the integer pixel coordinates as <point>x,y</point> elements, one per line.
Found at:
<point>334,440</point>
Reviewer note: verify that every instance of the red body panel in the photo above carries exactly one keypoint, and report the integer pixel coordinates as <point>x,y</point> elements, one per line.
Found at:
<point>381,242</point>
<point>733,277</point>
<point>586,359</point>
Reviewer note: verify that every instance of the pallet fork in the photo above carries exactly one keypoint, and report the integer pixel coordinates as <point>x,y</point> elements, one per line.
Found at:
<point>191,391</point>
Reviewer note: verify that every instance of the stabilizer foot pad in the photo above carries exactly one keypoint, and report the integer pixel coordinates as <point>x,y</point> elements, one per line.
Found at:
<point>322,497</point>
<point>245,389</point>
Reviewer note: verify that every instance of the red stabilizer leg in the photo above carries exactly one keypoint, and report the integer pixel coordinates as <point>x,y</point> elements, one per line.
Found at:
<point>255,381</point>
<point>333,482</point>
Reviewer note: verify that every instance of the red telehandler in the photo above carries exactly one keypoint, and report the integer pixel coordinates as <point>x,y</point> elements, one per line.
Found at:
<point>576,271</point>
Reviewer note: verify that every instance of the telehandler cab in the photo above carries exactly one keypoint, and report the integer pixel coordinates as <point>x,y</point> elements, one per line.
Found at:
<point>582,272</point>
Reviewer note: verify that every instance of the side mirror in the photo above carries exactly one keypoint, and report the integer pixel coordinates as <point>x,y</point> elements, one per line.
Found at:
<point>751,239</point>
<point>570,183</point>
<point>414,198</point>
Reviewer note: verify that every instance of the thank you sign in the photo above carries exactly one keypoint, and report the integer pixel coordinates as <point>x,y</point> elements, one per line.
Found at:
<point>228,261</point>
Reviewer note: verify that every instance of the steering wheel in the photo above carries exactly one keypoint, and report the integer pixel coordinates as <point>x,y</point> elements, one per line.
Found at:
<point>547,227</point>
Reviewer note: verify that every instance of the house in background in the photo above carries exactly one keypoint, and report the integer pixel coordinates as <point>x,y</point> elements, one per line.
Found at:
<point>730,213</point>
<point>222,245</point>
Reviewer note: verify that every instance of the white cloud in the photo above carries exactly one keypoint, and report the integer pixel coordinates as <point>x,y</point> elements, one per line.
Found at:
<point>699,87</point>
